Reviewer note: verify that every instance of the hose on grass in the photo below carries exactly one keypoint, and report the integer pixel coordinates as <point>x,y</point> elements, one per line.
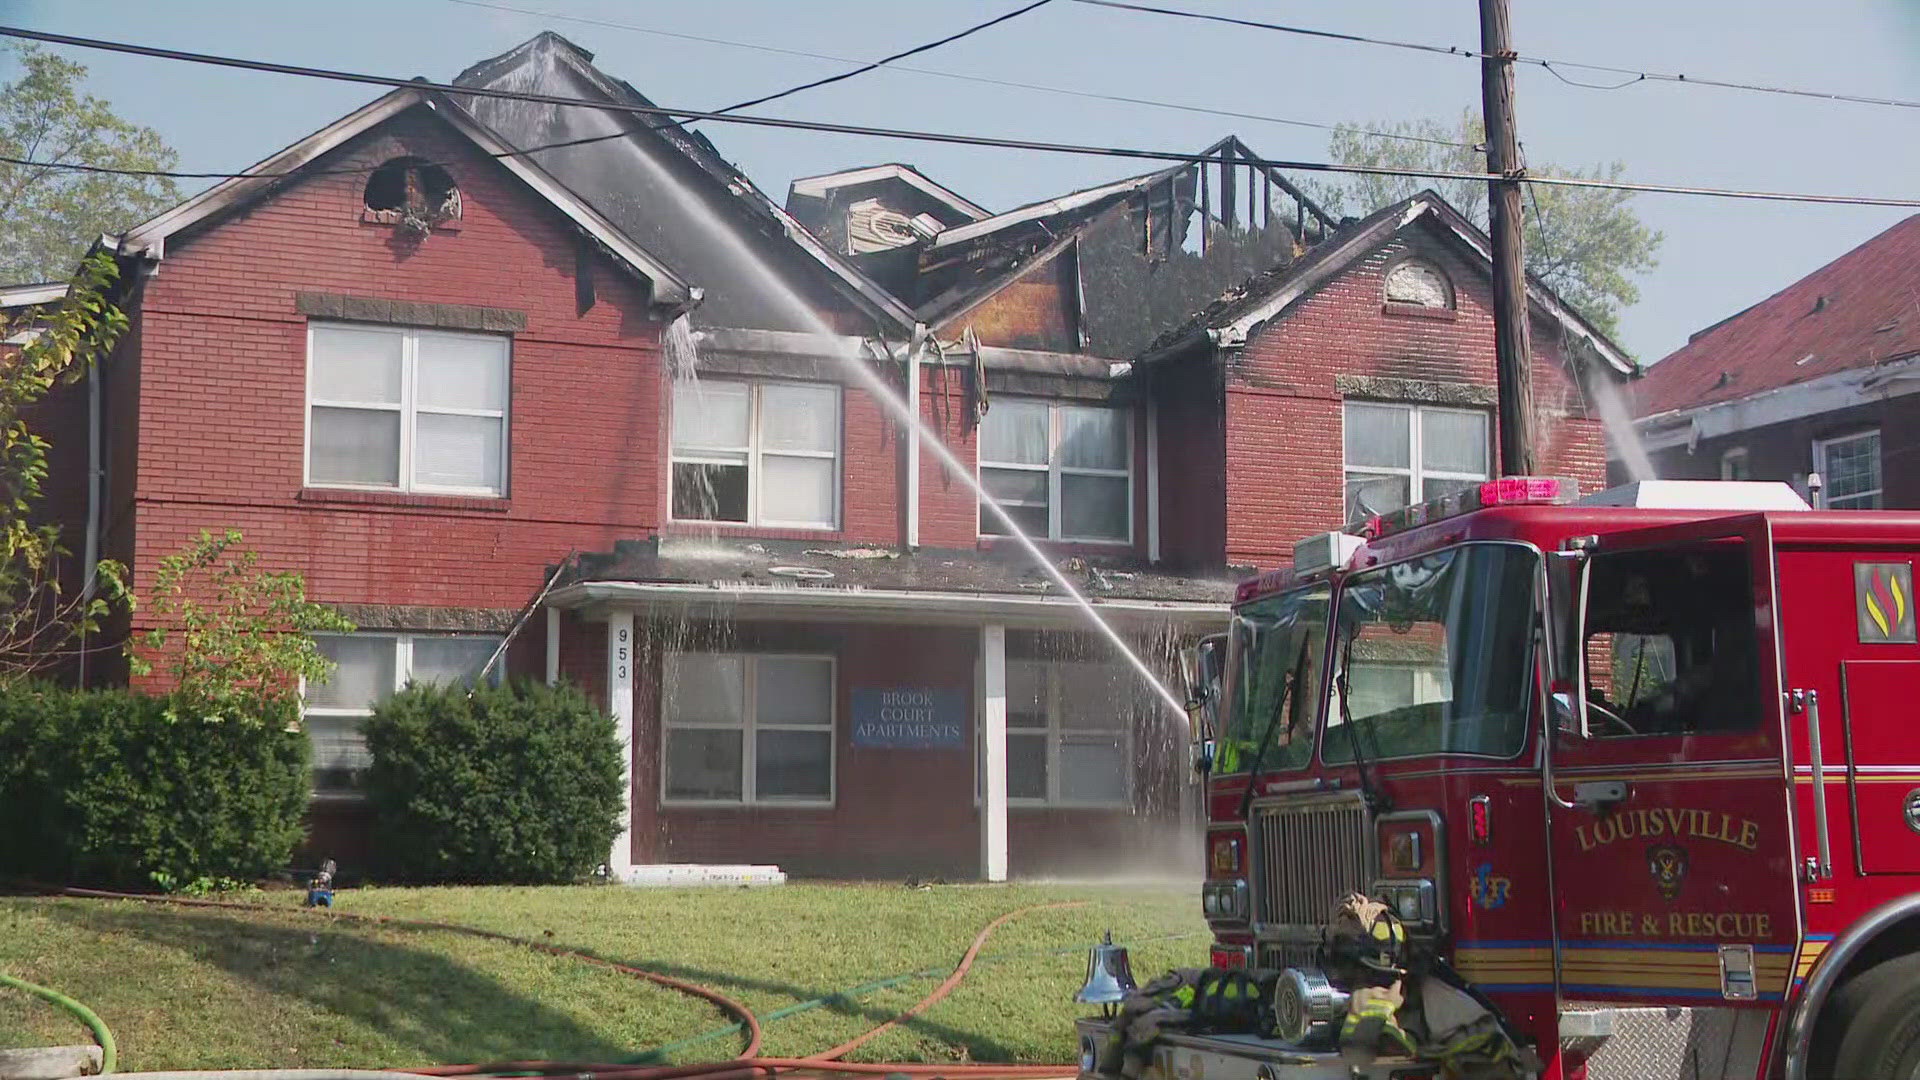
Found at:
<point>747,1064</point>
<point>109,1053</point>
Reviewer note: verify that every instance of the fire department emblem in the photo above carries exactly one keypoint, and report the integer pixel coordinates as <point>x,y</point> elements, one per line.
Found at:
<point>1668,865</point>
<point>1883,602</point>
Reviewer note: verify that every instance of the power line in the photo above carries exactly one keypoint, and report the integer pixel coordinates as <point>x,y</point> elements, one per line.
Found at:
<point>1089,95</point>
<point>1634,75</point>
<point>949,138</point>
<point>883,61</point>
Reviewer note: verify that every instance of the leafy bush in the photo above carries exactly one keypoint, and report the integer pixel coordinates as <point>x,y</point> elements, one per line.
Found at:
<point>114,788</point>
<point>514,785</point>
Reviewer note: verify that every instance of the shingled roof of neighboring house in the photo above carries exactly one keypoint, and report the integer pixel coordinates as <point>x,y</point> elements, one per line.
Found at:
<point>1860,310</point>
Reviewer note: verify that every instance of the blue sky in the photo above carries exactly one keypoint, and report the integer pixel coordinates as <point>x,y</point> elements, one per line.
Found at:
<point>1719,256</point>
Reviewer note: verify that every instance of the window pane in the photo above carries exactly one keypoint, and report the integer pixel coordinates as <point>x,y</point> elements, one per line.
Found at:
<point>355,446</point>
<point>1022,493</point>
<point>1434,487</point>
<point>1377,435</point>
<point>1093,438</point>
<point>707,415</point>
<point>457,451</point>
<point>339,750</point>
<point>460,372</point>
<point>451,660</point>
<point>800,418</point>
<point>1093,696</point>
<point>797,490</point>
<point>791,690</point>
<point>793,765</point>
<point>705,688</point>
<point>1026,766</point>
<point>703,764</point>
<point>1092,772</point>
<point>1369,495</point>
<point>1851,470</point>
<point>1026,694</point>
<point>356,365</point>
<point>710,492</point>
<point>1454,442</point>
<point>1015,433</point>
<point>363,675</point>
<point>1093,507</point>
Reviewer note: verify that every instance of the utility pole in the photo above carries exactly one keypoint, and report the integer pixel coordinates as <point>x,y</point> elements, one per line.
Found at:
<point>1513,351</point>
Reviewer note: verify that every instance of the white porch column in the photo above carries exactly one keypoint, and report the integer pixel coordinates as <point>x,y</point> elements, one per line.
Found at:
<point>1153,481</point>
<point>993,734</point>
<point>620,703</point>
<point>553,646</point>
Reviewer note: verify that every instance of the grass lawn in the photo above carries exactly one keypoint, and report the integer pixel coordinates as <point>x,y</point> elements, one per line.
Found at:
<point>193,988</point>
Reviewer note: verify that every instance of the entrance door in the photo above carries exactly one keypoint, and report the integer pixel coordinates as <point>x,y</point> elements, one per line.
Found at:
<point>1849,618</point>
<point>1675,871</point>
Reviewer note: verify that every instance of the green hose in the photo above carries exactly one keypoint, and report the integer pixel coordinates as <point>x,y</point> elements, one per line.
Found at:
<point>108,1055</point>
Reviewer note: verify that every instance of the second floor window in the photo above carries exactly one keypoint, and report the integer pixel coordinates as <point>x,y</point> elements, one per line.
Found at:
<point>1062,472</point>
<point>406,410</point>
<point>1400,455</point>
<point>757,453</point>
<point>1849,467</point>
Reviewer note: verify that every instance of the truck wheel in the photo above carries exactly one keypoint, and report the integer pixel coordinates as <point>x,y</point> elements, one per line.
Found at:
<point>1878,1017</point>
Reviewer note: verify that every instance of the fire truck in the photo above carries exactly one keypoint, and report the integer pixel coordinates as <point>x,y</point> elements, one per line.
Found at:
<point>1640,772</point>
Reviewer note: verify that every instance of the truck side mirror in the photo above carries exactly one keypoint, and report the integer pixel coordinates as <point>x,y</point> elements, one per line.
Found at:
<point>1201,666</point>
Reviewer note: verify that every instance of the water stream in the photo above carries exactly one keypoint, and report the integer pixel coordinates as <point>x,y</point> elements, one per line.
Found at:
<point>1618,420</point>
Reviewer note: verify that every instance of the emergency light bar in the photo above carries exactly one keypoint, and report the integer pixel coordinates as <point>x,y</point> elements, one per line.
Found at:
<point>1506,491</point>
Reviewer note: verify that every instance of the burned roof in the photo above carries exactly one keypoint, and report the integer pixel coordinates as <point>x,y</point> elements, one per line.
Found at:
<point>829,568</point>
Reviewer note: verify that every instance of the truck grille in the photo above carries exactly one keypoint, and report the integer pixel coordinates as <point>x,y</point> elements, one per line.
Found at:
<point>1310,855</point>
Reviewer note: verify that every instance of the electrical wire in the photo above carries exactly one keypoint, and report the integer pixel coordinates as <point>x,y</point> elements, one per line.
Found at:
<point>949,138</point>
<point>885,60</point>
<point>1089,95</point>
<point>1635,76</point>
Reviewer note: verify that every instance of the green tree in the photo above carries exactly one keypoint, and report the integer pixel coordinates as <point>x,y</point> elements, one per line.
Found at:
<point>1586,244</point>
<point>51,214</point>
<point>245,634</point>
<point>41,621</point>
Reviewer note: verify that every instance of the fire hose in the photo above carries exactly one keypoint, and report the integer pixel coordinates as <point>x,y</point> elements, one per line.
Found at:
<point>746,1064</point>
<point>108,1053</point>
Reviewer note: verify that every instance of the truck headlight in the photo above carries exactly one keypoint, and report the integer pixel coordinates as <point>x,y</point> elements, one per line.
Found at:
<point>1224,899</point>
<point>1413,901</point>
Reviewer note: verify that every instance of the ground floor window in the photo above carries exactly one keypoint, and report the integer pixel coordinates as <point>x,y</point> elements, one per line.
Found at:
<point>1850,468</point>
<point>1067,734</point>
<point>369,667</point>
<point>748,728</point>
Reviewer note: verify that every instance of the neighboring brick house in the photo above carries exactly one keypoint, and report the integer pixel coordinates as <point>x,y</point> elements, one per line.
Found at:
<point>1822,377</point>
<point>615,397</point>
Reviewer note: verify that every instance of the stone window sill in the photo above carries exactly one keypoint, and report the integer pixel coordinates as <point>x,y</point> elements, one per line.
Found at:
<point>1419,311</point>
<point>403,500</point>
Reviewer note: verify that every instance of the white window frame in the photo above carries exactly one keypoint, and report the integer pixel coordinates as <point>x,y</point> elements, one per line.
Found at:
<point>1055,470</point>
<point>402,674</point>
<point>409,413</point>
<point>755,453</point>
<point>1057,734</point>
<point>749,726</point>
<point>1821,447</point>
<point>1728,460</point>
<point>1416,475</point>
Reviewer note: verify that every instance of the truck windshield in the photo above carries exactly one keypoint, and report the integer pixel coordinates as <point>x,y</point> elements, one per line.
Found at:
<point>1273,639</point>
<point>1437,653</point>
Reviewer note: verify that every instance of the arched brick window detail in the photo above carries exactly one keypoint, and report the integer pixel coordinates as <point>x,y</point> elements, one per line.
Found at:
<point>1418,283</point>
<point>412,192</point>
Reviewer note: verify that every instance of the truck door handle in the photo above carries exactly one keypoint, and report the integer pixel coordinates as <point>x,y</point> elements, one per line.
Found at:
<point>1817,868</point>
<point>1600,794</point>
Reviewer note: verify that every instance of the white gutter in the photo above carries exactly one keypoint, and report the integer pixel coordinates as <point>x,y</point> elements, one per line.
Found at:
<point>809,602</point>
<point>29,295</point>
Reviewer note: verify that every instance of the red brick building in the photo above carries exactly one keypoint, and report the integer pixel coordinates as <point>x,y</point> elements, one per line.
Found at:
<point>613,406</point>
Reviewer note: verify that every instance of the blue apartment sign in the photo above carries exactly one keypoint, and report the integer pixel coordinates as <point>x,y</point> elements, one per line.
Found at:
<point>909,718</point>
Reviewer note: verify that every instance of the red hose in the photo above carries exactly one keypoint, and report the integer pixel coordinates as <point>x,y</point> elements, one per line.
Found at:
<point>743,1067</point>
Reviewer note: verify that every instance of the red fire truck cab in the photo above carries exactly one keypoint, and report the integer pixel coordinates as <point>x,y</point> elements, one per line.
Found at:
<point>1642,770</point>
